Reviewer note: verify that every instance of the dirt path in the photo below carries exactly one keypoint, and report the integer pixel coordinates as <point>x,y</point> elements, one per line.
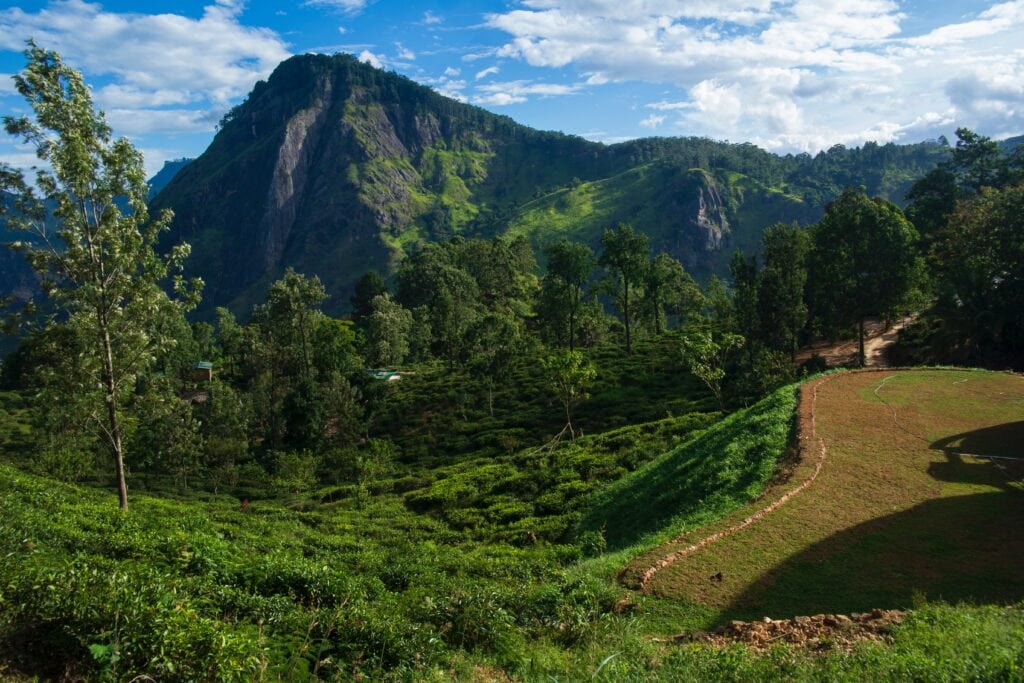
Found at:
<point>876,346</point>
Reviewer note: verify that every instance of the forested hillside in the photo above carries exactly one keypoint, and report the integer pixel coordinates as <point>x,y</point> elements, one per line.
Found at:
<point>333,167</point>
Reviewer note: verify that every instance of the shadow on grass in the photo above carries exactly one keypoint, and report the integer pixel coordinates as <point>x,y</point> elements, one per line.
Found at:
<point>963,548</point>
<point>1001,441</point>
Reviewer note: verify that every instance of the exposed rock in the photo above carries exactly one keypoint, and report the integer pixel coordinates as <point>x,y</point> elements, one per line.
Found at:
<point>290,173</point>
<point>708,218</point>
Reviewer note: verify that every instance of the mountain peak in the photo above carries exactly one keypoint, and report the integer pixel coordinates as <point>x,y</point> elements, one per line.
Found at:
<point>334,167</point>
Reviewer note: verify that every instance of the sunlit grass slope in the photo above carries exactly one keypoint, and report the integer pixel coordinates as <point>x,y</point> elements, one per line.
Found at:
<point>902,507</point>
<point>716,472</point>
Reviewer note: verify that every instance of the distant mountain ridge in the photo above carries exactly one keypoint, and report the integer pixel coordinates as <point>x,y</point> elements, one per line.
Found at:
<point>334,167</point>
<point>166,174</point>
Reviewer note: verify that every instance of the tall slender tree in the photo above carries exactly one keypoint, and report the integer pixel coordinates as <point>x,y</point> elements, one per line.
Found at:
<point>101,266</point>
<point>781,284</point>
<point>625,256</point>
<point>864,261</point>
<point>569,268</point>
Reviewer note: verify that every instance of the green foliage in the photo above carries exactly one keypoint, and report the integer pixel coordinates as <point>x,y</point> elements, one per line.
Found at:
<point>782,310</point>
<point>668,288</point>
<point>979,260</point>
<point>625,255</point>
<point>264,593</point>
<point>569,375</point>
<point>562,289</point>
<point>388,328</point>
<point>706,353</point>
<point>101,267</point>
<point>966,212</point>
<point>863,261</point>
<point>708,476</point>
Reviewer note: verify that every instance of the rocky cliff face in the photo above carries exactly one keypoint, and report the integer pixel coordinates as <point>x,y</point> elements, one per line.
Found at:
<point>291,172</point>
<point>708,217</point>
<point>334,167</point>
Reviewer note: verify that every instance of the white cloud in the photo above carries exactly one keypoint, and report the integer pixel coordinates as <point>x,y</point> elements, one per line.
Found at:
<point>404,52</point>
<point>18,155</point>
<point>652,121</point>
<point>371,59</point>
<point>154,72</point>
<point>790,74</point>
<point>489,71</point>
<point>116,95</point>
<point>214,54</point>
<point>480,54</point>
<point>344,6</point>
<point>130,123</point>
<point>449,84</point>
<point>153,59</point>
<point>7,84</point>
<point>431,18</point>
<point>515,92</point>
<point>342,30</point>
<point>498,99</point>
<point>994,20</point>
<point>669,106</point>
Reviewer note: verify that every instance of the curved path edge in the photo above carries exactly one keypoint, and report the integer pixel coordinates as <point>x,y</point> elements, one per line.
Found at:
<point>806,435</point>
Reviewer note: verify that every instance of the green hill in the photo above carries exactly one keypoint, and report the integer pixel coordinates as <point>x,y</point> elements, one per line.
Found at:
<point>918,497</point>
<point>203,588</point>
<point>723,468</point>
<point>334,167</point>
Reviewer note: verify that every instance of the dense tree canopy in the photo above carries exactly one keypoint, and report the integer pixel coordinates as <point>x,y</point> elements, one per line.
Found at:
<point>863,262</point>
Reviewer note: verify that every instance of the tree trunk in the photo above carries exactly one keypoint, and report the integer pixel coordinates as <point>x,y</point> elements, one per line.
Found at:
<point>625,317</point>
<point>568,422</point>
<point>860,344</point>
<point>110,387</point>
<point>572,329</point>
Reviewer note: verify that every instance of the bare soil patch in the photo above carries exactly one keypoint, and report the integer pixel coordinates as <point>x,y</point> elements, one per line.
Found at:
<point>878,339</point>
<point>819,632</point>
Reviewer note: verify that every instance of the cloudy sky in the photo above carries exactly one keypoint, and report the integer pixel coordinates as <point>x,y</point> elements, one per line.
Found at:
<point>788,75</point>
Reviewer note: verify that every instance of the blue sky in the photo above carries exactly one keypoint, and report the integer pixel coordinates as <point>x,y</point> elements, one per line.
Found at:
<point>787,75</point>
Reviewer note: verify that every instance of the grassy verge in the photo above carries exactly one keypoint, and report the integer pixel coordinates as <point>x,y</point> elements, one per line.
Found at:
<point>703,479</point>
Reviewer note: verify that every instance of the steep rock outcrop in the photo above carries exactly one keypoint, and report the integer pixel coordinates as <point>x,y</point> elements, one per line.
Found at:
<point>294,158</point>
<point>709,219</point>
<point>334,167</point>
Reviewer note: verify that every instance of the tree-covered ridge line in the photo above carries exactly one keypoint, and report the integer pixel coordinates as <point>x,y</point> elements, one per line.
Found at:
<point>332,167</point>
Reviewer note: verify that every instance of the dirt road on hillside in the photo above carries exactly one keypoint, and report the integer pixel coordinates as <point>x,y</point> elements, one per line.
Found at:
<point>876,346</point>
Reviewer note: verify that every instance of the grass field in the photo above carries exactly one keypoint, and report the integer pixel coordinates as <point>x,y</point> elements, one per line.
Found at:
<point>899,512</point>
<point>321,587</point>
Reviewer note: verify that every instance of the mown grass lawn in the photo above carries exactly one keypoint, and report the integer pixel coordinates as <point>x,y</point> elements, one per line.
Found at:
<point>898,513</point>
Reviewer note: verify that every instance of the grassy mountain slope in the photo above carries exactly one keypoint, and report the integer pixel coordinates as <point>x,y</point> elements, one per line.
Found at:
<point>687,212</point>
<point>709,476</point>
<point>334,167</point>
